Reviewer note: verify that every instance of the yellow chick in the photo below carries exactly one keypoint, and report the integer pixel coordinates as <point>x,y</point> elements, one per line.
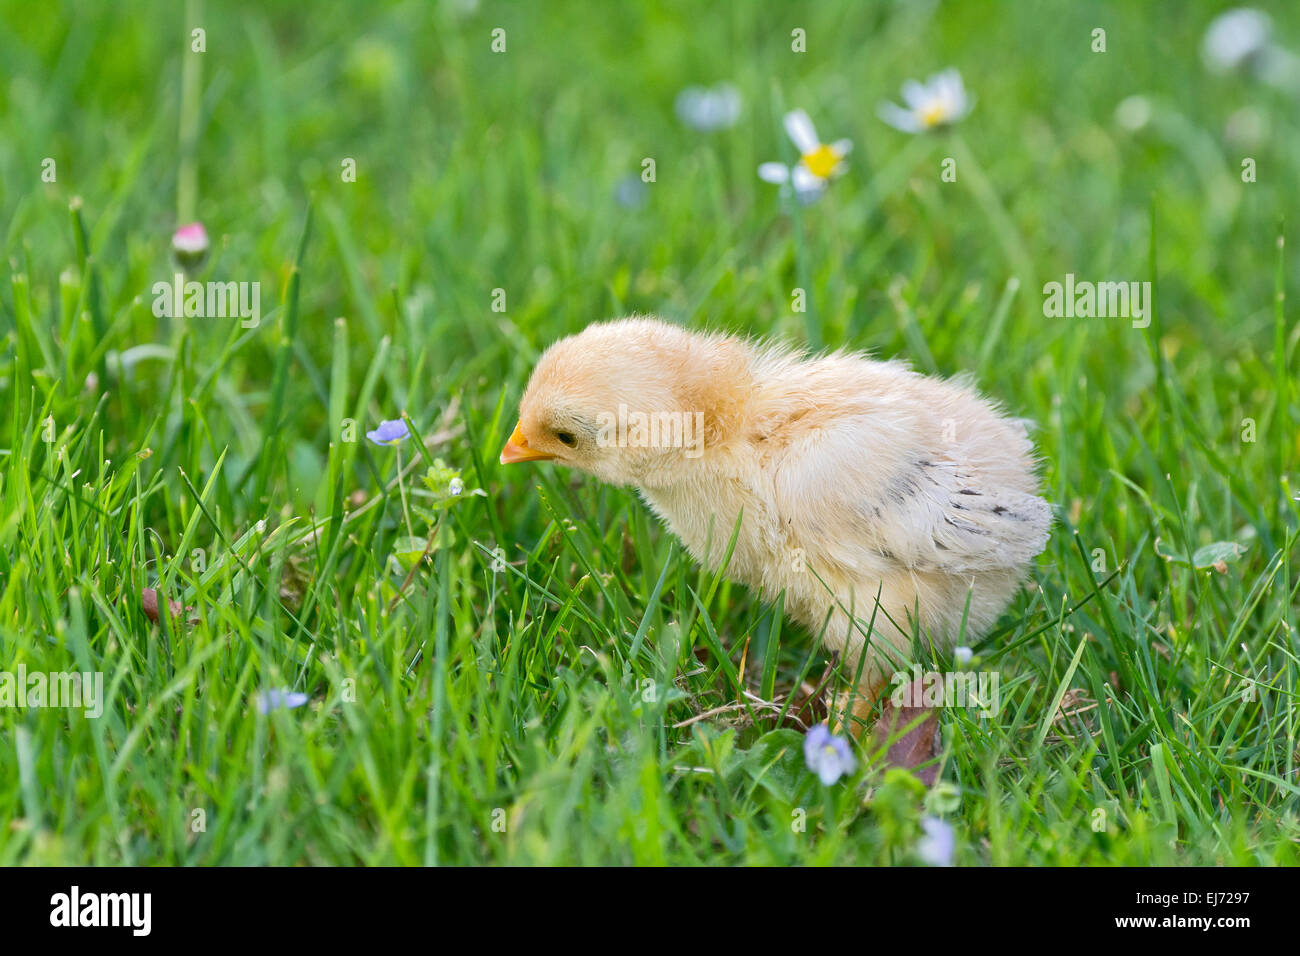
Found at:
<point>880,501</point>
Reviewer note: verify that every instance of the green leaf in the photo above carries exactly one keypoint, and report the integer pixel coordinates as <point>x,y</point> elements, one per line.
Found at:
<point>1202,558</point>
<point>1212,554</point>
<point>775,762</point>
<point>408,550</point>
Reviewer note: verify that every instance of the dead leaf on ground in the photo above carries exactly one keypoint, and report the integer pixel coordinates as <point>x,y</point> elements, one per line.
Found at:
<point>149,602</point>
<point>915,746</point>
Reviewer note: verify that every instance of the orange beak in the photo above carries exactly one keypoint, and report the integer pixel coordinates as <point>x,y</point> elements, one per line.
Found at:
<point>517,449</point>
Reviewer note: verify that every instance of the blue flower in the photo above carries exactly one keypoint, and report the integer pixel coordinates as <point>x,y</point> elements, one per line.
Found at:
<point>631,192</point>
<point>937,845</point>
<point>269,700</point>
<point>827,755</point>
<point>390,433</point>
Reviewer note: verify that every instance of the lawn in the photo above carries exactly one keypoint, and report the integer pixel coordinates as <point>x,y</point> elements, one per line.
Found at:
<point>408,654</point>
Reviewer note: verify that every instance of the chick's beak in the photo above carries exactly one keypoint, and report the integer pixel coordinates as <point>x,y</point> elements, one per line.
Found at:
<point>517,449</point>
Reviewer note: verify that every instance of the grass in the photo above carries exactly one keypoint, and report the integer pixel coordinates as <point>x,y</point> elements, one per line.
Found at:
<point>518,676</point>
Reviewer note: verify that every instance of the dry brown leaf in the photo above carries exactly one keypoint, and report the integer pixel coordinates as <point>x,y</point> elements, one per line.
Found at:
<point>915,746</point>
<point>149,602</point>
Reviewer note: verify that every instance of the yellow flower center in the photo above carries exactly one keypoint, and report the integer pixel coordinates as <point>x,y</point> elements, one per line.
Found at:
<point>933,115</point>
<point>821,162</point>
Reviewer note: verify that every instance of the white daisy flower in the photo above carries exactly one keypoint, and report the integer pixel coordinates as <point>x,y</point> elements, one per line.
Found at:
<point>939,101</point>
<point>818,164</point>
<point>190,244</point>
<point>1236,38</point>
<point>708,109</point>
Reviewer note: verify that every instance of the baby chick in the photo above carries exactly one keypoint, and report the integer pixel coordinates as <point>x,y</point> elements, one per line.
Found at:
<point>881,502</point>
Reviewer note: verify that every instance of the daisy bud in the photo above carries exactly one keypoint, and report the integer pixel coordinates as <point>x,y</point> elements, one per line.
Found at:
<point>190,245</point>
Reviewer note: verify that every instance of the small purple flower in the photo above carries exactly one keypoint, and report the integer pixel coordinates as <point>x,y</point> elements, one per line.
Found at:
<point>827,755</point>
<point>190,244</point>
<point>631,192</point>
<point>936,847</point>
<point>269,700</point>
<point>390,433</point>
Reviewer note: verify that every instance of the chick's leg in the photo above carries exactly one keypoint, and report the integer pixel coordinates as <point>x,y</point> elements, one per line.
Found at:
<point>873,664</point>
<point>885,709</point>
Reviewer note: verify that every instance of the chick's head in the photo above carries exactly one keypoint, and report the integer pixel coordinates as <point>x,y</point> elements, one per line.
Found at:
<point>633,402</point>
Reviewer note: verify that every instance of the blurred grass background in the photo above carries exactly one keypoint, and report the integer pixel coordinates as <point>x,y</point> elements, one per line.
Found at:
<point>515,691</point>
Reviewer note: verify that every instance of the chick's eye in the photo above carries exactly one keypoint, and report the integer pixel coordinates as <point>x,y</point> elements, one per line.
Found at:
<point>567,438</point>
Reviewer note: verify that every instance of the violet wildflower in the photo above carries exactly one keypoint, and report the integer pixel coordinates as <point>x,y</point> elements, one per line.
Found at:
<point>275,699</point>
<point>828,756</point>
<point>936,847</point>
<point>390,432</point>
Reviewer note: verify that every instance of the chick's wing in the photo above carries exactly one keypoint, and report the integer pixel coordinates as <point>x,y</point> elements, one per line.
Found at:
<point>872,502</point>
